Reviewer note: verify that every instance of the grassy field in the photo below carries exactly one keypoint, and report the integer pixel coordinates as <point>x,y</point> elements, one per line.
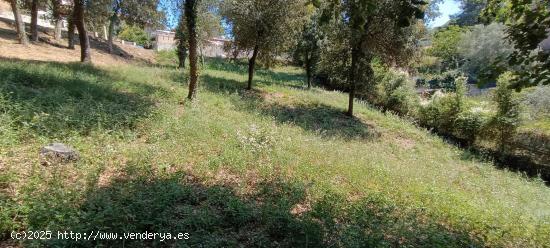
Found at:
<point>278,166</point>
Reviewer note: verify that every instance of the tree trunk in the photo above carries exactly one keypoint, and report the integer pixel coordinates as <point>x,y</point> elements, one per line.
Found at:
<point>58,29</point>
<point>111,33</point>
<point>201,56</point>
<point>57,19</point>
<point>19,24</point>
<point>78,18</point>
<point>70,32</point>
<point>182,56</point>
<point>34,20</point>
<point>352,78</point>
<point>251,66</point>
<point>309,72</point>
<point>191,16</point>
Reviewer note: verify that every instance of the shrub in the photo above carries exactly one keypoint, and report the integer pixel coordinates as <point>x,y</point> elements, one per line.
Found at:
<point>504,124</point>
<point>135,34</point>
<point>445,80</point>
<point>396,93</point>
<point>442,112</point>
<point>538,102</point>
<point>469,125</point>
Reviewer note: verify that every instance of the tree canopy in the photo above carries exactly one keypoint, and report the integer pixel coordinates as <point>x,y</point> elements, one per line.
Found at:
<point>265,27</point>
<point>527,23</point>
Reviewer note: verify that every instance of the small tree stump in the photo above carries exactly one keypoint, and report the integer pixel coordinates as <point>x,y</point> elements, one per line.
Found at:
<point>57,153</point>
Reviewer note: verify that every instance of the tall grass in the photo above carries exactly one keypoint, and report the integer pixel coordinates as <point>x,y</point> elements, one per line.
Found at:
<point>277,166</point>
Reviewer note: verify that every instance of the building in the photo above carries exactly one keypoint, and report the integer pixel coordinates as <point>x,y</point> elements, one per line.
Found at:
<point>165,40</point>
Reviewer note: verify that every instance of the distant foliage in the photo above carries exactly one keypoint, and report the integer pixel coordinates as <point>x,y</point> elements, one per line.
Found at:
<point>445,80</point>
<point>445,45</point>
<point>485,50</point>
<point>539,101</point>
<point>135,34</point>
<point>527,24</point>
<point>469,15</point>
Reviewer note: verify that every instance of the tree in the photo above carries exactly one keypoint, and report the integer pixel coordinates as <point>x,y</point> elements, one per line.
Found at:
<point>78,20</point>
<point>308,48</point>
<point>19,24</point>
<point>138,13</point>
<point>445,44</point>
<point>34,20</point>
<point>471,10</point>
<point>70,31</point>
<point>57,13</point>
<point>181,39</point>
<point>527,24</point>
<point>370,29</point>
<point>485,50</point>
<point>190,13</point>
<point>208,23</point>
<point>266,27</point>
<point>507,118</point>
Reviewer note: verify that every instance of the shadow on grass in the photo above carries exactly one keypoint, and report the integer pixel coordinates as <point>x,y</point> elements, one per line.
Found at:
<point>323,119</point>
<point>277,214</point>
<point>8,34</point>
<point>319,118</point>
<point>58,99</point>
<point>268,77</point>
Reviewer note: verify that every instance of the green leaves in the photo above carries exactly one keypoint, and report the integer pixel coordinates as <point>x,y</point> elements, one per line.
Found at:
<point>527,22</point>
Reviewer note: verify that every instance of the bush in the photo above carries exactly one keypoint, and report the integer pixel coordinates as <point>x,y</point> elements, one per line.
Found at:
<point>445,80</point>
<point>135,34</point>
<point>504,124</point>
<point>448,114</point>
<point>469,125</point>
<point>396,93</point>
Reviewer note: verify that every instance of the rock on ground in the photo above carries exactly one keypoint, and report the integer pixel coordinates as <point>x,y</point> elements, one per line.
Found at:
<point>57,153</point>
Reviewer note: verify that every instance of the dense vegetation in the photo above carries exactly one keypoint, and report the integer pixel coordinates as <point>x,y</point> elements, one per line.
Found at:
<point>279,166</point>
<point>412,148</point>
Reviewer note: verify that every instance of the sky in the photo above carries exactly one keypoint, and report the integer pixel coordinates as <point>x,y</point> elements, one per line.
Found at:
<point>447,9</point>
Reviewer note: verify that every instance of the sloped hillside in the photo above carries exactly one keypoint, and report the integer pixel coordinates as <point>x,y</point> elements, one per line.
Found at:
<point>277,166</point>
<point>49,49</point>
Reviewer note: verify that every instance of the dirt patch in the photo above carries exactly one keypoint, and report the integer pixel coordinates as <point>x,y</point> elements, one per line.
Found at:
<point>50,50</point>
<point>269,97</point>
<point>405,143</point>
<point>4,6</point>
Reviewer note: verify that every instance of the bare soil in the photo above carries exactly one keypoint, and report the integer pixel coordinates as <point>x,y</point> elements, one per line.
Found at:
<point>48,49</point>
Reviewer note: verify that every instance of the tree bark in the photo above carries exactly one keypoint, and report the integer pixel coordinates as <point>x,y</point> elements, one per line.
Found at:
<point>191,18</point>
<point>34,20</point>
<point>251,66</point>
<point>352,78</point>
<point>309,72</point>
<point>182,56</point>
<point>57,32</point>
<point>57,19</point>
<point>78,19</point>
<point>111,33</point>
<point>19,24</point>
<point>70,32</point>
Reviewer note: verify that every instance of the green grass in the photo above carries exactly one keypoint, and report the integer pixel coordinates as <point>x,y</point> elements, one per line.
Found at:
<point>278,166</point>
